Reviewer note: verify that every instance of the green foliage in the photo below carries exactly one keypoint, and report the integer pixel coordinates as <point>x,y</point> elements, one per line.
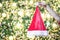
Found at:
<point>16,16</point>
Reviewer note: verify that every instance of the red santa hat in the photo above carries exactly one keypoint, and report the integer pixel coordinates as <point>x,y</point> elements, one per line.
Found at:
<point>37,27</point>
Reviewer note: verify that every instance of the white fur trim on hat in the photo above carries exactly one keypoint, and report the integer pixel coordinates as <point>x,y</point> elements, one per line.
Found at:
<point>36,33</point>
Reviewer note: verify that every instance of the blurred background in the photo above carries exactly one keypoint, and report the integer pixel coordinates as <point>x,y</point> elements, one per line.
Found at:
<point>16,16</point>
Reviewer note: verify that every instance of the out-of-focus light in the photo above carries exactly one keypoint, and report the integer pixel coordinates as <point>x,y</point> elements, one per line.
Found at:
<point>20,20</point>
<point>26,2</point>
<point>8,15</point>
<point>48,16</point>
<point>17,33</point>
<point>31,37</point>
<point>43,16</point>
<point>28,13</point>
<point>59,5</point>
<point>21,13</point>
<point>0,5</point>
<point>10,37</point>
<point>48,23</point>
<point>1,19</point>
<point>18,24</point>
<point>31,1</point>
<point>3,14</point>
<point>12,11</point>
<point>15,18</point>
<point>14,4</point>
<point>54,25</point>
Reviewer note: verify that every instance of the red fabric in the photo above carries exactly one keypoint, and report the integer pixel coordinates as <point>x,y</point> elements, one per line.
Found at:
<point>37,22</point>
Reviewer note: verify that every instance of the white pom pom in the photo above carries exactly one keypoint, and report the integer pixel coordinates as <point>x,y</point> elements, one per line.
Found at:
<point>40,3</point>
<point>37,3</point>
<point>43,3</point>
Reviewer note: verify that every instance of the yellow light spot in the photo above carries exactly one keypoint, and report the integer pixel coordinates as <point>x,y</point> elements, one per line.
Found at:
<point>3,14</point>
<point>10,37</point>
<point>0,5</point>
